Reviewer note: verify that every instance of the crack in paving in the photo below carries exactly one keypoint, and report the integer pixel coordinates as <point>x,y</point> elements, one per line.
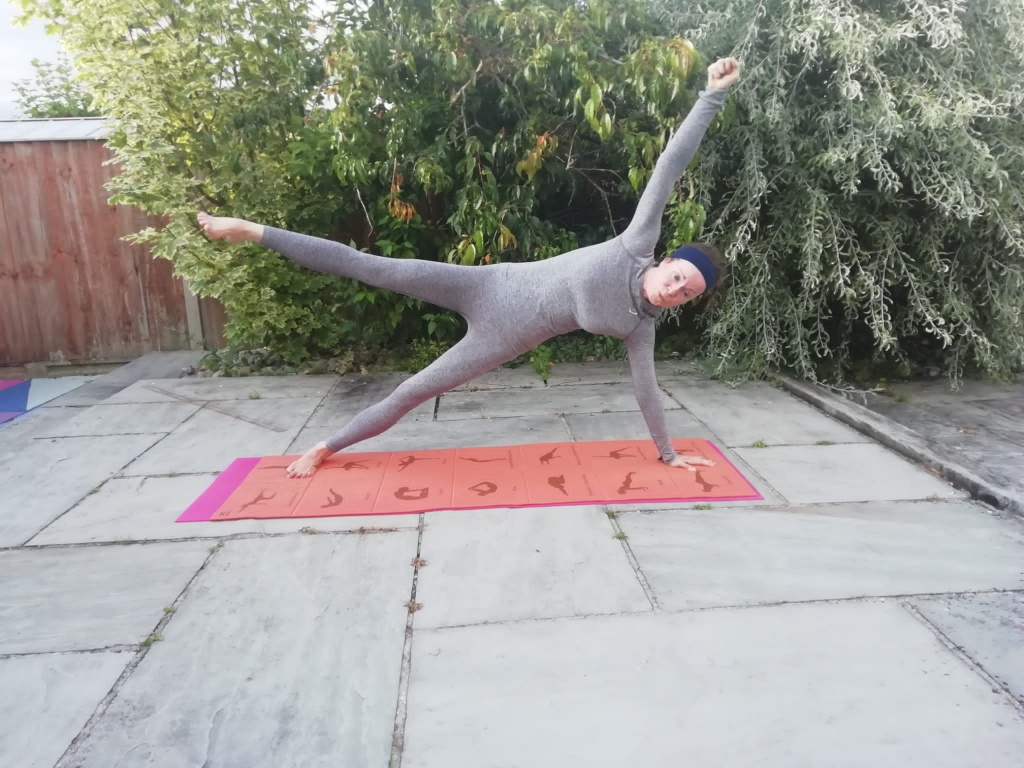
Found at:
<point>718,507</point>
<point>88,493</point>
<point>961,653</point>
<point>117,648</point>
<point>142,651</point>
<point>212,405</point>
<point>638,571</point>
<point>402,704</point>
<point>734,607</point>
<point>241,535</point>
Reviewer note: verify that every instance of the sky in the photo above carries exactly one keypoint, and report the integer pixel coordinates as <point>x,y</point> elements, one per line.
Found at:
<point>18,46</point>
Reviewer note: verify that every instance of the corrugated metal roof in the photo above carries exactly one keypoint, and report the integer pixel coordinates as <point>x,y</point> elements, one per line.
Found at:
<point>61,129</point>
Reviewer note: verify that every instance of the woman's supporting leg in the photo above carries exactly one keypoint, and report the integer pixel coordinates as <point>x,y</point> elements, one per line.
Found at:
<point>474,355</point>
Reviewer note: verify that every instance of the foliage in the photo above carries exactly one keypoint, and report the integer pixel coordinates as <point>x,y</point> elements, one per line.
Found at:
<point>541,362</point>
<point>582,347</point>
<point>465,130</point>
<point>54,92</point>
<point>871,197</point>
<point>423,352</point>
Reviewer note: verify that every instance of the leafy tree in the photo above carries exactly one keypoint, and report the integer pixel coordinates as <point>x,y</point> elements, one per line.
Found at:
<point>466,130</point>
<point>54,92</point>
<point>871,196</point>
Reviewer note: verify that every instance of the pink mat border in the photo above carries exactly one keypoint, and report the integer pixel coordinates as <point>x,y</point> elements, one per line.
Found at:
<point>8,383</point>
<point>203,508</point>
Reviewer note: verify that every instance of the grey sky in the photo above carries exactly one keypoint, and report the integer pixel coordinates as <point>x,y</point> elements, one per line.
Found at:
<point>18,46</point>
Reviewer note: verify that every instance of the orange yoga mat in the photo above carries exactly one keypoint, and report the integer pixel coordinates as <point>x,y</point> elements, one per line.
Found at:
<point>408,482</point>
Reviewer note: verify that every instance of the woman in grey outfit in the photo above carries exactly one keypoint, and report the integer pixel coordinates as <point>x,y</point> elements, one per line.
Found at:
<point>614,288</point>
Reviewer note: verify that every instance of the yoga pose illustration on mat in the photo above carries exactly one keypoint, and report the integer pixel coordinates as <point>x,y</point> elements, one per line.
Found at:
<point>613,288</point>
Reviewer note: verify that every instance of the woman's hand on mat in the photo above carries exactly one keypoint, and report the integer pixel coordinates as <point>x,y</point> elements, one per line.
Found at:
<point>723,74</point>
<point>691,462</point>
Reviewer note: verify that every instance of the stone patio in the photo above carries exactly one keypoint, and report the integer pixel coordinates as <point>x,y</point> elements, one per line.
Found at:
<point>863,613</point>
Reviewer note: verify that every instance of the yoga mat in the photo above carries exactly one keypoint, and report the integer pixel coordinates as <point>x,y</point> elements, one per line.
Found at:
<point>18,396</point>
<point>14,396</point>
<point>409,482</point>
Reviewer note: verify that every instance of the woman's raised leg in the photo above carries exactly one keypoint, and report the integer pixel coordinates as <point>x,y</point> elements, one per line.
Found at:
<point>447,285</point>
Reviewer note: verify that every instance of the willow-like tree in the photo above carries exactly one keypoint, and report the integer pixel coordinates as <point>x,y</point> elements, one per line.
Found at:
<point>872,193</point>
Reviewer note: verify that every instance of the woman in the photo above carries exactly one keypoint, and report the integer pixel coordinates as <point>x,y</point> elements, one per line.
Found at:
<point>613,288</point>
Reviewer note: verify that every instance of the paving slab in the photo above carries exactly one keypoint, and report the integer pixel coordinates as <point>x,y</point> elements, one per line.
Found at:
<point>939,391</point>
<point>47,477</point>
<point>75,599</point>
<point>142,508</point>
<point>153,365</point>
<point>504,378</point>
<point>814,474</point>
<point>353,396</point>
<point>988,628</point>
<point>757,412</point>
<point>956,424</point>
<point>128,419</point>
<point>984,478</point>
<point>701,559</point>
<point>600,398</point>
<point>1003,469</point>
<point>567,374</point>
<point>614,371</point>
<point>979,429</point>
<point>225,388</point>
<point>224,431</point>
<point>993,428</point>
<point>837,685</point>
<point>286,652</point>
<point>45,700</point>
<point>48,390</point>
<point>1003,418</point>
<point>490,565</point>
<point>421,435</point>
<point>15,435</point>
<point>600,372</point>
<point>630,425</point>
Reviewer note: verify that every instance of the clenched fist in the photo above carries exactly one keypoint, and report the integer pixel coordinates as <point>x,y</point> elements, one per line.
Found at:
<point>723,74</point>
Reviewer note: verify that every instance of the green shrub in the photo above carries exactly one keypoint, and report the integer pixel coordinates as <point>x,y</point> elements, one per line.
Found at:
<point>461,130</point>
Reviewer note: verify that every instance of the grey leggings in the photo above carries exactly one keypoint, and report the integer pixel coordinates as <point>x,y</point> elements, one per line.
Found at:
<point>474,292</point>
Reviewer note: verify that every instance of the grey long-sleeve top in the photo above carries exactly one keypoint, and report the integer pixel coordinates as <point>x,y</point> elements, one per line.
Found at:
<point>598,288</point>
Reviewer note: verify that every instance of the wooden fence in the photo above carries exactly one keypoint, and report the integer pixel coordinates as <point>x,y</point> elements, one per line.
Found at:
<point>71,290</point>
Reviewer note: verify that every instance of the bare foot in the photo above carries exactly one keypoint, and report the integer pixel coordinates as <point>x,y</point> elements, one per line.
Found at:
<point>306,465</point>
<point>232,230</point>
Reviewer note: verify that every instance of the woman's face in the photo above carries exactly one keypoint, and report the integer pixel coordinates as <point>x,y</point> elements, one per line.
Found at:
<point>673,283</point>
